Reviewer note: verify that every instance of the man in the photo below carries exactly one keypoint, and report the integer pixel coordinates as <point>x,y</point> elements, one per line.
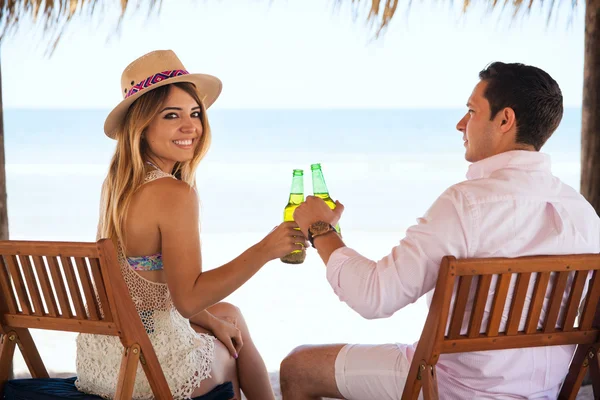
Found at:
<point>511,205</point>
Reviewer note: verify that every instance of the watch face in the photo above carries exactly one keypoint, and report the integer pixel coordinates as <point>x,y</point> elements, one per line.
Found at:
<point>319,227</point>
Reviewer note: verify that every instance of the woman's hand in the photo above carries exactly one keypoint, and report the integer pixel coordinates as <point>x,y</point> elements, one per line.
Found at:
<point>226,331</point>
<point>282,240</point>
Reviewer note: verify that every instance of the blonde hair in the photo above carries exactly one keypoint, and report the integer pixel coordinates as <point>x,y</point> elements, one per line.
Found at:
<point>127,167</point>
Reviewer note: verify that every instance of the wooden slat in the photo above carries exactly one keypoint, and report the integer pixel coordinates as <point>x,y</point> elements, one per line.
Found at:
<point>88,292</point>
<point>69,271</point>
<point>591,302</point>
<point>440,330</point>
<point>535,308</point>
<point>51,249</point>
<point>498,305</point>
<point>558,291</point>
<point>59,286</point>
<point>100,289</point>
<point>109,266</point>
<point>574,301</point>
<point>476,266</point>
<point>60,324</point>
<point>483,289</point>
<point>34,292</point>
<point>460,304</point>
<point>42,274</point>
<point>518,302</point>
<point>520,340</point>
<point>8,294</point>
<point>15,274</point>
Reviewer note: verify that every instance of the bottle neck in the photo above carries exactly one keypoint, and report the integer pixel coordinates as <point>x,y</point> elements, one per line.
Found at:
<point>318,182</point>
<point>296,198</point>
<point>297,191</point>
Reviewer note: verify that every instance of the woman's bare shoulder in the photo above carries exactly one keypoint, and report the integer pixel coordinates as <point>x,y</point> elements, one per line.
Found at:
<point>166,193</point>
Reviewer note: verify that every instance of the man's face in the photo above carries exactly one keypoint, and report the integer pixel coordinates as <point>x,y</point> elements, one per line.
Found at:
<point>480,136</point>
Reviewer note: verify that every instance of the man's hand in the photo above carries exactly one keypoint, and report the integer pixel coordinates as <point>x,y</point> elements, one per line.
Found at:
<point>315,209</point>
<point>226,331</point>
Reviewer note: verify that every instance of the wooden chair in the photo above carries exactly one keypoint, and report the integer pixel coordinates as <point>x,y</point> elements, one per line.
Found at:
<point>442,331</point>
<point>76,287</point>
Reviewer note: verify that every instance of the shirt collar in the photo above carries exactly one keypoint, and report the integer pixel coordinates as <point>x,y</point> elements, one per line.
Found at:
<point>516,159</point>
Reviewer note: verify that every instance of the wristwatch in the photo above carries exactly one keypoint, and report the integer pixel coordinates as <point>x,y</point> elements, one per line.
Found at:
<point>317,229</point>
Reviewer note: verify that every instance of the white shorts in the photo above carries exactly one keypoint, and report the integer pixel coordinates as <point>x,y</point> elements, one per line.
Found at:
<point>373,372</point>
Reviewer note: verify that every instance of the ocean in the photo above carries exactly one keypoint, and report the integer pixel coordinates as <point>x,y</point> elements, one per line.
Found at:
<point>385,166</point>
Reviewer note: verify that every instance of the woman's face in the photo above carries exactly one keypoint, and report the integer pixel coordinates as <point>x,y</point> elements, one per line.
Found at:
<point>174,133</point>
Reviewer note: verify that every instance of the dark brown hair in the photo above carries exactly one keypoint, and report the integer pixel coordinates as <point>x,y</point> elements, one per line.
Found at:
<point>533,95</point>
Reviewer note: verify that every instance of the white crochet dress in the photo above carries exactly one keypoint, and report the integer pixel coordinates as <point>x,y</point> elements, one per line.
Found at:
<point>184,355</point>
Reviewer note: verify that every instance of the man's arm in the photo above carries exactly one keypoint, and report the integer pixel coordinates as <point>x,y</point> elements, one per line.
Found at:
<point>379,289</point>
<point>327,244</point>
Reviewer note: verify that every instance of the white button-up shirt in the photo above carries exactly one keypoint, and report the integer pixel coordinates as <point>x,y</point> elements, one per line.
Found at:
<point>510,206</point>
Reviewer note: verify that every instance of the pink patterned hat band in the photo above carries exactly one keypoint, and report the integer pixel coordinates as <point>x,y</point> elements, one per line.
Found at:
<point>154,79</point>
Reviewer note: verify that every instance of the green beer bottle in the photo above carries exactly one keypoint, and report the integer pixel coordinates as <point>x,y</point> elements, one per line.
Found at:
<point>320,189</point>
<point>296,197</point>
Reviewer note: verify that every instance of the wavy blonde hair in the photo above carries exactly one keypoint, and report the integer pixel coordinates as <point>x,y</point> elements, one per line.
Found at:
<point>128,168</point>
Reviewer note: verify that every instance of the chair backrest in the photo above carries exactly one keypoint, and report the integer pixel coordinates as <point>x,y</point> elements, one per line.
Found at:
<point>76,287</point>
<point>571,315</point>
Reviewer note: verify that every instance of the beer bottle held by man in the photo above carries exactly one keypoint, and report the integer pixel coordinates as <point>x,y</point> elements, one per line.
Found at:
<point>320,189</point>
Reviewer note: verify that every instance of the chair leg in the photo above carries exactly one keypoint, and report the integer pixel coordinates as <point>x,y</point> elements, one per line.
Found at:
<point>413,386</point>
<point>30,354</point>
<point>129,364</point>
<point>154,374</point>
<point>430,386</point>
<point>579,366</point>
<point>595,372</point>
<point>7,351</point>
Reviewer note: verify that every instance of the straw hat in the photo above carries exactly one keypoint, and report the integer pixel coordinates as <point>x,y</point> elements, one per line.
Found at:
<point>151,71</point>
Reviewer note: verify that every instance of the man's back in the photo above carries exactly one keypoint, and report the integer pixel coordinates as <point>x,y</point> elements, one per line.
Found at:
<point>513,206</point>
<point>522,209</point>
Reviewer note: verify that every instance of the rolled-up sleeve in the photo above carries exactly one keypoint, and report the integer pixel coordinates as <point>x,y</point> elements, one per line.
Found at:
<point>379,289</point>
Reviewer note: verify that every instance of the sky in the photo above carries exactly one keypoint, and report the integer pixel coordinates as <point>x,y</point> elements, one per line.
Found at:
<point>297,53</point>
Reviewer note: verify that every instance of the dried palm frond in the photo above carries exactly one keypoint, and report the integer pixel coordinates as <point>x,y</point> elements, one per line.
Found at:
<point>55,15</point>
<point>382,11</point>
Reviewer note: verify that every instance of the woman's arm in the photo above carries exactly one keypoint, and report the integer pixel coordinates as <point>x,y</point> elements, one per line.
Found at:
<point>191,289</point>
<point>204,319</point>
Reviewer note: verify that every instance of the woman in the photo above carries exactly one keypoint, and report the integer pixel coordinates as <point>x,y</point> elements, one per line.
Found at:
<point>150,209</point>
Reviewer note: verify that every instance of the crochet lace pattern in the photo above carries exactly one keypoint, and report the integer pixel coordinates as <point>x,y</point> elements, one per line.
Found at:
<point>184,355</point>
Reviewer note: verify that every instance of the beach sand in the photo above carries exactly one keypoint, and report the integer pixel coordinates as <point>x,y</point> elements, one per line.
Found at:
<point>586,392</point>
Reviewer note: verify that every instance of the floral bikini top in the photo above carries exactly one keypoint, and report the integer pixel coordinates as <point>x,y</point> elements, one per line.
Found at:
<point>146,263</point>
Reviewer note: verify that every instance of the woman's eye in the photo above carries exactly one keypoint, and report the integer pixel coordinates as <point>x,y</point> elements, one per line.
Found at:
<point>471,111</point>
<point>170,116</point>
<point>196,114</point>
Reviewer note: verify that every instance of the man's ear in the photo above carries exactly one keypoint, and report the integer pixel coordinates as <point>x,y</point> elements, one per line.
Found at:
<point>507,119</point>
